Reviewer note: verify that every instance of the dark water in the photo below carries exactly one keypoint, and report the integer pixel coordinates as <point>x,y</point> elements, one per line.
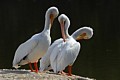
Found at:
<point>99,57</point>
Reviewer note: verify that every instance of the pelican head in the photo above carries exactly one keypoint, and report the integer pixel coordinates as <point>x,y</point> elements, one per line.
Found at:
<point>64,23</point>
<point>51,14</point>
<point>83,33</point>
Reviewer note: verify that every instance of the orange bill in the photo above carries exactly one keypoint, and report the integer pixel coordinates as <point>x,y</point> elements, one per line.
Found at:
<point>63,30</point>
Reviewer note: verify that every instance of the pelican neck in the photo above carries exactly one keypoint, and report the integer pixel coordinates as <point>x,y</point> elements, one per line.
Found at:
<point>66,29</point>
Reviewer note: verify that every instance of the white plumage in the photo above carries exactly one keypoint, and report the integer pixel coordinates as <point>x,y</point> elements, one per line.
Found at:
<point>61,54</point>
<point>64,54</point>
<point>34,48</point>
<point>45,60</point>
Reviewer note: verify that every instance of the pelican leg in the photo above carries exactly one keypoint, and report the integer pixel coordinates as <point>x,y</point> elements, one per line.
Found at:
<point>30,65</point>
<point>36,67</point>
<point>69,70</point>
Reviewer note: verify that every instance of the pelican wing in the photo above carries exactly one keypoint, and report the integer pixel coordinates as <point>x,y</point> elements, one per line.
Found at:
<point>53,57</point>
<point>24,49</point>
<point>66,57</point>
<point>45,60</point>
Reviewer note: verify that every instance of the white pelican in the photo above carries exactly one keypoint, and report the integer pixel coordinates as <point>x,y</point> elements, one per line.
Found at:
<point>34,48</point>
<point>65,53</point>
<point>60,53</point>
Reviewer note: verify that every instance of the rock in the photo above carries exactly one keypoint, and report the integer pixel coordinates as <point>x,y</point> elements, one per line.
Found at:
<point>22,74</point>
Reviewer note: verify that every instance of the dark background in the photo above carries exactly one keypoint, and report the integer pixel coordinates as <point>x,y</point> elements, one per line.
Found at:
<point>99,57</point>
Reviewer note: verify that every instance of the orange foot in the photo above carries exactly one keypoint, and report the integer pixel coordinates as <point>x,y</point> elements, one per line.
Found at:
<point>36,68</point>
<point>36,71</point>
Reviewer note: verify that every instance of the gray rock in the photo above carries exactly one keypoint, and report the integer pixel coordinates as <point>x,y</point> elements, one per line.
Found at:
<point>22,74</point>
